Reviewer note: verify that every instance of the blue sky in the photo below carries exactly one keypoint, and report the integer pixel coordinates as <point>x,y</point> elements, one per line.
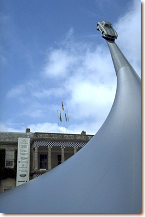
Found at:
<point>51,52</point>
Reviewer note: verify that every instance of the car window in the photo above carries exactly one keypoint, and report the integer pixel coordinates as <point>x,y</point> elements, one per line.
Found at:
<point>107,25</point>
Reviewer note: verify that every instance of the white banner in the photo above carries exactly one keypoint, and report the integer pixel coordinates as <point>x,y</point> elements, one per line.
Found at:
<point>23,161</point>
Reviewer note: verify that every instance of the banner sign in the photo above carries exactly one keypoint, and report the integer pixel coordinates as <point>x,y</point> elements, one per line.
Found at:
<point>23,161</point>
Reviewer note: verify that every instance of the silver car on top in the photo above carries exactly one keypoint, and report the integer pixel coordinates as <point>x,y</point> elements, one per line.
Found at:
<point>107,30</point>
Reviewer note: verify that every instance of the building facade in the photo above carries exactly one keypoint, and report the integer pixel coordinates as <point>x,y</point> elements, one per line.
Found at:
<point>47,150</point>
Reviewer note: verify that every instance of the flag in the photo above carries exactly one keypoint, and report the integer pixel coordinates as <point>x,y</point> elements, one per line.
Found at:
<point>65,117</point>
<point>62,106</point>
<point>60,118</point>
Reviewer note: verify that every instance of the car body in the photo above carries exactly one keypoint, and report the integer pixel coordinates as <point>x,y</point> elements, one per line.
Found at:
<point>107,30</point>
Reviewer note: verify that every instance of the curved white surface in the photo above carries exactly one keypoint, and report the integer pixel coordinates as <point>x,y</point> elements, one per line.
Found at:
<point>105,175</point>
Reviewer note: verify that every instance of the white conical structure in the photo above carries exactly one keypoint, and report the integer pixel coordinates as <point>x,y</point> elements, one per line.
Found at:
<point>105,175</point>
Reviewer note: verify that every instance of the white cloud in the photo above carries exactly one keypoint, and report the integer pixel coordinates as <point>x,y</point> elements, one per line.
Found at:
<point>89,100</point>
<point>16,91</point>
<point>55,128</point>
<point>129,39</point>
<point>10,128</point>
<point>58,64</point>
<point>51,127</point>
<point>48,92</point>
<point>48,127</point>
<point>33,113</point>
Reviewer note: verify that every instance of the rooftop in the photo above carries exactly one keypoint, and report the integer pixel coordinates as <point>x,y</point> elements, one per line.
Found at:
<point>12,137</point>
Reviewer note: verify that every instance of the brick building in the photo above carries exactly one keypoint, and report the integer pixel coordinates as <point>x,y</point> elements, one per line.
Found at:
<point>47,150</point>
